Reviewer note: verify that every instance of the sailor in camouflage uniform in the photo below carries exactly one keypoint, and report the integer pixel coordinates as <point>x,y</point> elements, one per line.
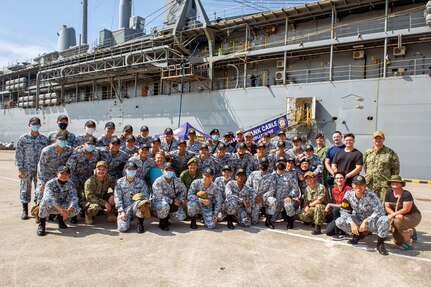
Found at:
<point>278,152</point>
<point>51,158</point>
<point>281,137</point>
<point>221,158</point>
<point>380,163</point>
<point>193,146</point>
<point>169,196</point>
<point>205,159</point>
<point>127,131</point>
<point>362,211</point>
<point>115,158</point>
<point>238,200</point>
<point>266,139</point>
<point>286,192</point>
<point>27,154</point>
<point>261,153</point>
<point>143,161</point>
<point>316,165</point>
<point>214,143</point>
<point>130,146</point>
<point>296,151</point>
<point>105,139</point>
<point>221,182</point>
<point>262,184</point>
<point>204,197</point>
<point>227,140</point>
<point>180,157</point>
<point>63,122</point>
<point>242,160</point>
<point>60,198</point>
<point>144,137</point>
<point>89,128</point>
<point>131,198</point>
<point>314,203</point>
<point>169,143</point>
<point>99,194</point>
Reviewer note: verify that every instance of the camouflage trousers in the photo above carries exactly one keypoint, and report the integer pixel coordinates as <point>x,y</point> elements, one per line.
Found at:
<point>381,193</point>
<point>161,207</point>
<point>236,208</point>
<point>45,210</point>
<point>131,211</point>
<point>194,208</point>
<point>92,209</point>
<point>270,206</point>
<point>291,209</point>
<point>314,214</point>
<point>379,225</point>
<point>25,186</point>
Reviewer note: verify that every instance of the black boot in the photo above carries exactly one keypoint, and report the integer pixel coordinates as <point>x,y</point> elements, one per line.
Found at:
<point>381,246</point>
<point>24,214</point>
<point>268,222</point>
<point>140,225</point>
<point>74,220</point>
<point>317,230</point>
<point>41,227</point>
<point>356,238</point>
<point>193,223</point>
<point>230,222</point>
<point>61,223</point>
<point>51,217</point>
<point>290,221</point>
<point>284,215</point>
<point>163,224</point>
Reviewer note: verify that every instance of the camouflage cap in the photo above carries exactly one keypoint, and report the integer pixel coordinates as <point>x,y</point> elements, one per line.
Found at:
<point>281,158</point>
<point>396,178</point>
<point>308,174</point>
<point>101,163</point>
<point>378,134</point>
<point>204,146</point>
<point>266,135</point>
<point>281,133</point>
<point>182,142</point>
<point>248,134</point>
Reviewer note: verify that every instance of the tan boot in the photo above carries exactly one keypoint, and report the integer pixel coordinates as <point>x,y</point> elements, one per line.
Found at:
<point>110,217</point>
<point>88,219</point>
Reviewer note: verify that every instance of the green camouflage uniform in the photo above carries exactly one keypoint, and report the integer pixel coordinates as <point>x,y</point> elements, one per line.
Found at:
<point>317,213</point>
<point>96,194</point>
<point>379,166</point>
<point>321,153</point>
<point>187,178</point>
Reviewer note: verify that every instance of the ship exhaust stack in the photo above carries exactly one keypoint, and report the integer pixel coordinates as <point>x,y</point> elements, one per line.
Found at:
<point>84,22</point>
<point>66,38</point>
<point>125,12</point>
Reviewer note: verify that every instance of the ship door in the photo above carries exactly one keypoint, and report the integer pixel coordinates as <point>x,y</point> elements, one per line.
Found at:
<point>301,112</point>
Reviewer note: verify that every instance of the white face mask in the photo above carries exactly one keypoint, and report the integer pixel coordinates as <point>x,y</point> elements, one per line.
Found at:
<point>89,131</point>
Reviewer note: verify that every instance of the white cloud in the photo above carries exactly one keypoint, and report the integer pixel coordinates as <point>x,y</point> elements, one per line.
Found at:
<point>13,52</point>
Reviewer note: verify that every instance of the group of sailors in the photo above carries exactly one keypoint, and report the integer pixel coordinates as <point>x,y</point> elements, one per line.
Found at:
<point>227,178</point>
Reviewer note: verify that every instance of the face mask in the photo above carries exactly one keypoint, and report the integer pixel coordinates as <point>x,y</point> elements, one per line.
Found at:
<point>131,173</point>
<point>62,143</point>
<point>89,147</point>
<point>62,182</point>
<point>62,126</point>
<point>35,128</point>
<point>215,137</point>
<point>169,174</point>
<point>89,131</point>
<point>144,137</point>
<point>265,167</point>
<point>129,148</point>
<point>281,166</point>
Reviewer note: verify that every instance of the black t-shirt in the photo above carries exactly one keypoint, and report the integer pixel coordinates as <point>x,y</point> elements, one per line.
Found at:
<point>347,161</point>
<point>405,196</point>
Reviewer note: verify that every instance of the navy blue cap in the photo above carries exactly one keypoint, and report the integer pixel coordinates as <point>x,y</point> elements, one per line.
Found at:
<point>168,131</point>
<point>226,167</point>
<point>91,140</point>
<point>281,144</point>
<point>62,117</point>
<point>63,169</point>
<point>128,128</point>
<point>144,129</point>
<point>309,147</point>
<point>168,165</point>
<point>115,140</point>
<point>241,145</point>
<point>61,136</point>
<point>156,140</point>
<point>90,123</point>
<point>263,160</point>
<point>208,171</point>
<point>130,138</point>
<point>240,171</point>
<point>34,120</point>
<point>214,131</point>
<point>131,165</point>
<point>261,145</point>
<point>145,146</point>
<point>109,125</point>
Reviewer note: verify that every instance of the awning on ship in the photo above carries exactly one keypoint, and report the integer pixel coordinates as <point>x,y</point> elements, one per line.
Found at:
<point>181,132</point>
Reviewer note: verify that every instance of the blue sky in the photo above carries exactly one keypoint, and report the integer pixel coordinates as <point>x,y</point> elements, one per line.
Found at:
<point>28,28</point>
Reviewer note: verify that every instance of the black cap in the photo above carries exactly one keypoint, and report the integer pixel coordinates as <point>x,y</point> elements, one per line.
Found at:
<point>296,138</point>
<point>109,125</point>
<point>208,171</point>
<point>145,146</point>
<point>90,123</point>
<point>226,167</point>
<point>63,169</point>
<point>128,128</point>
<point>281,144</point>
<point>168,131</point>
<point>61,136</point>
<point>221,145</point>
<point>115,140</point>
<point>231,134</point>
<point>34,120</point>
<point>261,145</point>
<point>204,146</point>
<point>131,165</point>
<point>263,160</point>
<point>226,135</point>
<point>290,159</point>
<point>191,132</point>
<point>309,147</point>
<point>241,145</point>
<point>319,135</point>
<point>90,140</point>
<point>144,129</point>
<point>304,159</point>
<point>281,133</point>
<point>169,165</point>
<point>214,131</point>
<point>359,179</point>
<point>239,171</point>
<point>281,158</point>
<point>266,134</point>
<point>62,117</point>
<point>130,138</point>
<point>156,140</point>
<point>182,142</point>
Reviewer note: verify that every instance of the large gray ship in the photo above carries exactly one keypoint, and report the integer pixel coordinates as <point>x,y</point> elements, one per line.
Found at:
<point>348,65</point>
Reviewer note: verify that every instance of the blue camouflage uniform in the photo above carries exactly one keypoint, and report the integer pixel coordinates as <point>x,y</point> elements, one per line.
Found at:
<point>272,158</point>
<point>194,148</point>
<point>221,184</point>
<point>27,155</point>
<point>140,140</point>
<point>123,194</point>
<point>261,184</point>
<point>180,162</point>
<point>209,162</point>
<point>70,138</point>
<point>286,185</point>
<point>271,161</point>
<point>245,162</point>
<point>81,139</point>
<point>234,202</point>
<point>115,163</point>
<point>367,208</point>
<point>168,147</point>
<point>316,167</point>
<point>130,151</point>
<point>143,166</point>
<point>50,160</point>
<point>225,160</point>
<point>164,195</point>
<point>195,205</point>
<point>59,194</point>
<point>103,141</point>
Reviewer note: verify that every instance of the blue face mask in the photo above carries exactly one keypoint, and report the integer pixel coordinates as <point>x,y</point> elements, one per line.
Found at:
<point>215,137</point>
<point>62,143</point>
<point>89,147</point>
<point>169,174</point>
<point>131,173</point>
<point>62,126</point>
<point>35,128</point>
